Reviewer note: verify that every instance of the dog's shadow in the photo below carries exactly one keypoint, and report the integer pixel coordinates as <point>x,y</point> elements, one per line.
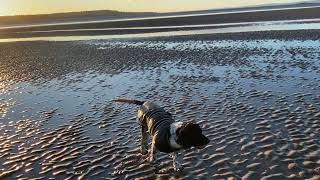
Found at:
<point>169,171</point>
<point>162,172</point>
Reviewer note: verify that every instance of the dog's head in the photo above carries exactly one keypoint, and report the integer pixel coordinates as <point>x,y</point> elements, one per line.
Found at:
<point>190,135</point>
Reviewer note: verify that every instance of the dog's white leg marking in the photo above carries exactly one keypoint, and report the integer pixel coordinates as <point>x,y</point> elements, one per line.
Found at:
<point>144,138</point>
<point>177,161</point>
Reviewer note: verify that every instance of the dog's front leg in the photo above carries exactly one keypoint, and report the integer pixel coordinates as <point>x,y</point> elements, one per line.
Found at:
<point>177,161</point>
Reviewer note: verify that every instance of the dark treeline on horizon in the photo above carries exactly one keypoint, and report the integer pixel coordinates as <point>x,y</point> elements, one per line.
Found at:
<point>67,16</point>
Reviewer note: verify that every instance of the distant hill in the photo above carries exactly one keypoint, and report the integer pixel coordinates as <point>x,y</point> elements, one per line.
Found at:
<point>69,16</point>
<point>109,14</point>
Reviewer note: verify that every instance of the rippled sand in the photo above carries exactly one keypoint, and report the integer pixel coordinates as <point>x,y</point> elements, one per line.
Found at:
<point>257,100</point>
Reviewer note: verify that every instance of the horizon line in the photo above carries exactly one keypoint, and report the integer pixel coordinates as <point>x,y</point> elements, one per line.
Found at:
<point>155,12</point>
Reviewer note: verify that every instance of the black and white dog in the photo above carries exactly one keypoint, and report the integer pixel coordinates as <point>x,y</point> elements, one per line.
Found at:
<point>167,136</point>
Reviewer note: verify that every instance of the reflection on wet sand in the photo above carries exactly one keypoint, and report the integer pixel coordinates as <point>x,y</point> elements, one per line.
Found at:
<point>256,99</point>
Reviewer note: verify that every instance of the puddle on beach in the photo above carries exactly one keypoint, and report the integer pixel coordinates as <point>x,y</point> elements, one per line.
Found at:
<point>258,101</point>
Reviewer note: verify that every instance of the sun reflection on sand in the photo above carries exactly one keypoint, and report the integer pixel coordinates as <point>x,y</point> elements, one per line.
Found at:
<point>4,107</point>
<point>5,104</point>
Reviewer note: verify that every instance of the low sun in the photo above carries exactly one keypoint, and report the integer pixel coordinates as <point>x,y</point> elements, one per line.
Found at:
<point>4,8</point>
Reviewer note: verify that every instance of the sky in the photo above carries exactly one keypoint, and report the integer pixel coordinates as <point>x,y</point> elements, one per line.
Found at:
<point>18,7</point>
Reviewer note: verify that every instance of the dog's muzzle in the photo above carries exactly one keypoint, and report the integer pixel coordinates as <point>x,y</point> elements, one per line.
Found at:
<point>205,142</point>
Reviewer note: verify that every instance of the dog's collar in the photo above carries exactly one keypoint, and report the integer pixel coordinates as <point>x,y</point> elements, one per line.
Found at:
<point>173,135</point>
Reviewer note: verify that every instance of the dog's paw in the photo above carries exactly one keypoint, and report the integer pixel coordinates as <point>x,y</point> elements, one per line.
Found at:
<point>151,159</point>
<point>178,168</point>
<point>144,151</point>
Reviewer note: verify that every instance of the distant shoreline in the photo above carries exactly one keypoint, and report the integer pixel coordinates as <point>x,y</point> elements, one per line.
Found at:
<point>208,17</point>
<point>18,20</point>
<point>13,20</point>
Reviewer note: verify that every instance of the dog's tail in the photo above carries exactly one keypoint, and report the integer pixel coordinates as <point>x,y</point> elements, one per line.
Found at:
<point>129,101</point>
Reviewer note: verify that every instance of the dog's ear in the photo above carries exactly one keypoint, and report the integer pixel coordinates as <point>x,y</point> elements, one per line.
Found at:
<point>189,127</point>
<point>187,134</point>
<point>182,128</point>
<point>182,133</point>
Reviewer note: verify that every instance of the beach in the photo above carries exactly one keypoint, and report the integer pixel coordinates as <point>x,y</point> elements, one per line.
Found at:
<point>254,93</point>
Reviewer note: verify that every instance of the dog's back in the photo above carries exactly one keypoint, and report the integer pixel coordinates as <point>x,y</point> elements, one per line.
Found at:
<point>152,115</point>
<point>158,122</point>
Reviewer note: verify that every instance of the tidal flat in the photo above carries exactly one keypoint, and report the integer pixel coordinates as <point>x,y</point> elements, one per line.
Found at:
<point>255,94</point>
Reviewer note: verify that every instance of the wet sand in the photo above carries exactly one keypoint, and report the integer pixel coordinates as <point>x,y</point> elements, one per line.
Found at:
<point>256,95</point>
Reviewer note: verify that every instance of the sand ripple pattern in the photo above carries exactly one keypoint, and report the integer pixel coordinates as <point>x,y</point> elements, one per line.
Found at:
<point>257,100</point>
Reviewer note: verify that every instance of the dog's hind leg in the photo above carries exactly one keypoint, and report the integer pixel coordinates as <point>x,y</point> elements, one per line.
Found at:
<point>144,140</point>
<point>153,152</point>
<point>153,155</point>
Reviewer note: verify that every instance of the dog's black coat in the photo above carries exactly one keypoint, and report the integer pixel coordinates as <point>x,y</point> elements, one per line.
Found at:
<point>157,121</point>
